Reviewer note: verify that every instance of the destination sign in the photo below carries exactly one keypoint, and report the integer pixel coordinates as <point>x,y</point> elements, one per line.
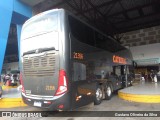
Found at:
<point>118,59</point>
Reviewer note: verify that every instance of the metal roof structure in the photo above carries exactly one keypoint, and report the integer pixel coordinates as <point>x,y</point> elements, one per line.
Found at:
<point>110,16</point>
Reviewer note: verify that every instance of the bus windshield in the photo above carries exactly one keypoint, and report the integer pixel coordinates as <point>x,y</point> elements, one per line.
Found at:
<point>44,41</point>
<point>43,24</point>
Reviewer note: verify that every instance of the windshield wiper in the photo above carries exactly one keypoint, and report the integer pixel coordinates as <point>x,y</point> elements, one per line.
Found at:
<point>40,50</point>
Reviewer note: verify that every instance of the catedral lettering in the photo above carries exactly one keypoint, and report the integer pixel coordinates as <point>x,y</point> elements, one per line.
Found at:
<point>117,59</point>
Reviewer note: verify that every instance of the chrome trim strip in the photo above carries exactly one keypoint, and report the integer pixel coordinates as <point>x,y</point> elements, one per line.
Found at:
<point>42,97</point>
<point>38,96</point>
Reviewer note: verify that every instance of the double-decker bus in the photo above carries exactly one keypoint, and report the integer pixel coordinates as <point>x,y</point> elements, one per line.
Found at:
<point>65,63</point>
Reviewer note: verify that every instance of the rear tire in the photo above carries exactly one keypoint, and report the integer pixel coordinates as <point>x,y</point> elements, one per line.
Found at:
<point>108,92</point>
<point>98,95</point>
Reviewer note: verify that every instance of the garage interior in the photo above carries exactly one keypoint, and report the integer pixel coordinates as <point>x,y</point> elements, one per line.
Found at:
<point>11,54</point>
<point>133,23</point>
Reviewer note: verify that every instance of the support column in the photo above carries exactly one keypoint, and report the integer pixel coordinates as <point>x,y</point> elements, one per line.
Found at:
<point>19,28</point>
<point>5,20</point>
<point>11,11</point>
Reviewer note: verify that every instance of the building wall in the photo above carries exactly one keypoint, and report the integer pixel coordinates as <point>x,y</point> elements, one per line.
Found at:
<point>146,54</point>
<point>141,37</point>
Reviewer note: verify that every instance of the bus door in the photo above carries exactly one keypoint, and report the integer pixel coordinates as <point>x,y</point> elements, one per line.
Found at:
<point>83,89</point>
<point>116,77</point>
<point>128,75</point>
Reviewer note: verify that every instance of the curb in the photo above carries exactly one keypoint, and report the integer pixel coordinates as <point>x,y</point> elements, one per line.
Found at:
<point>11,102</point>
<point>140,98</point>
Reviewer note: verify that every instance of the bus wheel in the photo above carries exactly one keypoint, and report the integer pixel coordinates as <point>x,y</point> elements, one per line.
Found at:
<point>98,96</point>
<point>108,92</point>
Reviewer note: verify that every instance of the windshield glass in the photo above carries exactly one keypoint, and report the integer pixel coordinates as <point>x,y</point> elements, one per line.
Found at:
<point>44,41</point>
<point>40,24</point>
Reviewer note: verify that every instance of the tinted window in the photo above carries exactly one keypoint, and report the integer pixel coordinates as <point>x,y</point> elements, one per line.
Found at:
<point>118,70</point>
<point>79,71</point>
<point>81,31</point>
<point>107,43</point>
<point>88,35</point>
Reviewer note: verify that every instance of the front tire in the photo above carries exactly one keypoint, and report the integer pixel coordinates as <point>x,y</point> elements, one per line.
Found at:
<point>108,92</point>
<point>98,96</point>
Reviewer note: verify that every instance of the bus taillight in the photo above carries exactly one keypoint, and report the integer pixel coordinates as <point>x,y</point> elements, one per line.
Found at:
<point>62,83</point>
<point>21,82</point>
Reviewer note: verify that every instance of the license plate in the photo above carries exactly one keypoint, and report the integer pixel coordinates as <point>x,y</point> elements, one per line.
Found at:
<point>38,104</point>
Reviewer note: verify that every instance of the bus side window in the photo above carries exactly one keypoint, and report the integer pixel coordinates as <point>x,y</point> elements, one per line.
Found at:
<point>107,75</point>
<point>117,70</point>
<point>127,70</point>
<point>79,71</point>
<point>81,32</point>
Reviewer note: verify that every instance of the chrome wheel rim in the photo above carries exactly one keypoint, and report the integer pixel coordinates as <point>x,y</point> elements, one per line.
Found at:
<point>109,91</point>
<point>99,94</point>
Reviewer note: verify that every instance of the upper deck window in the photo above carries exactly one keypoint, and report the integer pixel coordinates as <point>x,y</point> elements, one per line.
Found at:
<point>81,32</point>
<point>88,35</point>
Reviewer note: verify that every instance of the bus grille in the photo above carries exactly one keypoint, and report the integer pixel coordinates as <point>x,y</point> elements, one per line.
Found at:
<point>43,65</point>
